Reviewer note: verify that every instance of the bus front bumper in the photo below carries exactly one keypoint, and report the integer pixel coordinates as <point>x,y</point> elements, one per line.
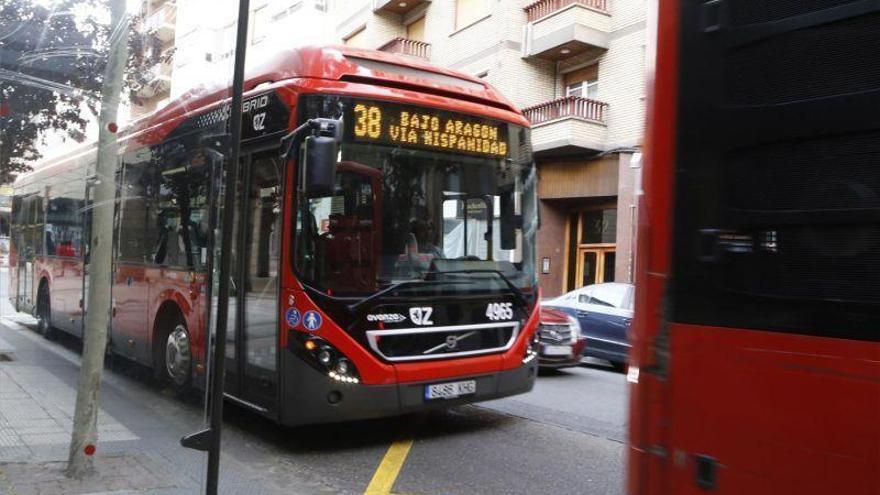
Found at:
<point>316,398</point>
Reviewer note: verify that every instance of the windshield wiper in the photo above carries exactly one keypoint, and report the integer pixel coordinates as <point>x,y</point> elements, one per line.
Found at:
<point>514,290</point>
<point>354,308</point>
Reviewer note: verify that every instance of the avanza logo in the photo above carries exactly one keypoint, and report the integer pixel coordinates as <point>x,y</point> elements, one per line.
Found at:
<point>387,317</point>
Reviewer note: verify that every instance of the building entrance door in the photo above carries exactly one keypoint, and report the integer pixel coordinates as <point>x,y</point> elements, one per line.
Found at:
<point>595,265</point>
<point>592,247</point>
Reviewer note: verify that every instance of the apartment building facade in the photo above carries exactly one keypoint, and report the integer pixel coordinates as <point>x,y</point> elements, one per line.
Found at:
<point>158,19</point>
<point>206,36</point>
<point>576,69</point>
<point>198,37</point>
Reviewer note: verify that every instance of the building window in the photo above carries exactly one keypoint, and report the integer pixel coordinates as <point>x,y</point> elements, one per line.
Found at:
<point>599,226</point>
<point>583,82</point>
<point>468,12</point>
<point>226,42</point>
<point>187,50</point>
<point>416,29</point>
<point>357,38</point>
<point>286,12</point>
<point>586,89</point>
<point>260,25</point>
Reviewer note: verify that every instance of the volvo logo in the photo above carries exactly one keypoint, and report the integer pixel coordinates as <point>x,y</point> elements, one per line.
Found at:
<point>450,343</point>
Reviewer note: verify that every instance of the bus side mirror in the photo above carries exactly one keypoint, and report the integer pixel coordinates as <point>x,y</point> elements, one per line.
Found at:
<point>320,165</point>
<point>508,221</point>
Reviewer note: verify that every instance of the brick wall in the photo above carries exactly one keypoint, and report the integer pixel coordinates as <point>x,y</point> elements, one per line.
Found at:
<point>379,27</point>
<point>622,86</point>
<point>551,244</point>
<point>629,174</point>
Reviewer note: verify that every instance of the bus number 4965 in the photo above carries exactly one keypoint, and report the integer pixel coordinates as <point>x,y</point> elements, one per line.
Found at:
<point>499,311</point>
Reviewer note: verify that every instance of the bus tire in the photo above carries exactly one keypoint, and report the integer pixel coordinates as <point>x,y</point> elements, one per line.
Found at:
<point>174,357</point>
<point>44,313</point>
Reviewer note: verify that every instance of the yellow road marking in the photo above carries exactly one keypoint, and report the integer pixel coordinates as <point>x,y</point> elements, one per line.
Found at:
<point>388,470</point>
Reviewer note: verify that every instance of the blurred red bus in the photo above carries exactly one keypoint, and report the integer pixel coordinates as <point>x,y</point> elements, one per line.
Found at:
<point>755,365</point>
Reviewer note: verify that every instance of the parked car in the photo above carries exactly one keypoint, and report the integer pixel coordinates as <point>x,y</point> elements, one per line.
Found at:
<point>562,344</point>
<point>604,312</point>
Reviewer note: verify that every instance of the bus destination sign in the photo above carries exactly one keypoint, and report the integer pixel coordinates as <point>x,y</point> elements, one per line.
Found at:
<point>428,128</point>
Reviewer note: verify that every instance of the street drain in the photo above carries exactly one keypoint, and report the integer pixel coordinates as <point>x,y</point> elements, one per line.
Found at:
<point>5,357</point>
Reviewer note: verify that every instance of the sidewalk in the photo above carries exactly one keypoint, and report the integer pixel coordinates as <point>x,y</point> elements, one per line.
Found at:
<point>139,430</point>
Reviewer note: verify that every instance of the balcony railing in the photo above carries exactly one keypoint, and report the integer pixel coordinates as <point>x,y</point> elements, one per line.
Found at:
<point>157,80</point>
<point>162,22</point>
<point>568,106</point>
<point>409,47</point>
<point>543,8</point>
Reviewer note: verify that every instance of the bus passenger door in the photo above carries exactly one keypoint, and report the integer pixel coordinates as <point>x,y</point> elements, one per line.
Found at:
<point>85,246</point>
<point>137,231</point>
<point>29,236</point>
<point>252,341</point>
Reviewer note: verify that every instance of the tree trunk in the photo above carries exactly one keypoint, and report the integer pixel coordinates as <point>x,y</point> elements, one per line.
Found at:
<point>85,435</point>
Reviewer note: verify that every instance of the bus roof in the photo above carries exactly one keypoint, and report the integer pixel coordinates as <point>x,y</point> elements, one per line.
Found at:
<point>341,63</point>
<point>334,62</point>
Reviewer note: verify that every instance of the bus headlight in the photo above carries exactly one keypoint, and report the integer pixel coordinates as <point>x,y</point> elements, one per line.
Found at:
<point>331,361</point>
<point>325,356</point>
<point>342,367</point>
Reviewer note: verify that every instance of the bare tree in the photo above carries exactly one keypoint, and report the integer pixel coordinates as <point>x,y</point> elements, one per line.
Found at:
<point>85,433</point>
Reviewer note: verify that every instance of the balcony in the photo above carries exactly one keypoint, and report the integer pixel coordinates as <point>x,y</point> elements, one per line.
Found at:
<point>567,125</point>
<point>559,29</point>
<point>161,22</point>
<point>404,46</point>
<point>397,6</point>
<point>158,81</point>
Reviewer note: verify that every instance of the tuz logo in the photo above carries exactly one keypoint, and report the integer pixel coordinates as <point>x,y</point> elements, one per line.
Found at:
<point>421,316</point>
<point>387,317</point>
<point>451,342</point>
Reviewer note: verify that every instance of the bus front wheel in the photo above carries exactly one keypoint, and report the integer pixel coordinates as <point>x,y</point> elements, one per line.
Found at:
<point>176,357</point>
<point>44,313</point>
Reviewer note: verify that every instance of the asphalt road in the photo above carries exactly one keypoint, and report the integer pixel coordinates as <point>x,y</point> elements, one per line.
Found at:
<point>565,437</point>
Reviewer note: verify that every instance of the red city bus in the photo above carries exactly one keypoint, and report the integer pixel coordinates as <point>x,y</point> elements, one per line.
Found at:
<point>755,365</point>
<point>409,285</point>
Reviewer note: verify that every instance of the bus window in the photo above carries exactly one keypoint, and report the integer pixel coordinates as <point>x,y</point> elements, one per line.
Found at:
<point>343,228</point>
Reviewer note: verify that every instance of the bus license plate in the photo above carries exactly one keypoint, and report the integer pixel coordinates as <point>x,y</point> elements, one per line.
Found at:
<point>557,350</point>
<point>450,390</point>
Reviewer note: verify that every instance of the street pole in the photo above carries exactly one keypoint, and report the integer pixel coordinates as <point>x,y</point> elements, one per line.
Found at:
<point>84,437</point>
<point>210,439</point>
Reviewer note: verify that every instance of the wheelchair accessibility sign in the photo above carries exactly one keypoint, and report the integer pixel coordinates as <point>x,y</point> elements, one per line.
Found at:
<point>292,316</point>
<point>312,320</point>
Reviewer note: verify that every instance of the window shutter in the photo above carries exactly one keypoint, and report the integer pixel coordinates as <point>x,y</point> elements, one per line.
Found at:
<point>589,73</point>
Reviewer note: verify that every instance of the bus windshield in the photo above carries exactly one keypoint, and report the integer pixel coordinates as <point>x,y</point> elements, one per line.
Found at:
<point>403,213</point>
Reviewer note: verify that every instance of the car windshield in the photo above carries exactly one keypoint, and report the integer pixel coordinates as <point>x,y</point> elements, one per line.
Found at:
<point>611,295</point>
<point>403,213</point>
